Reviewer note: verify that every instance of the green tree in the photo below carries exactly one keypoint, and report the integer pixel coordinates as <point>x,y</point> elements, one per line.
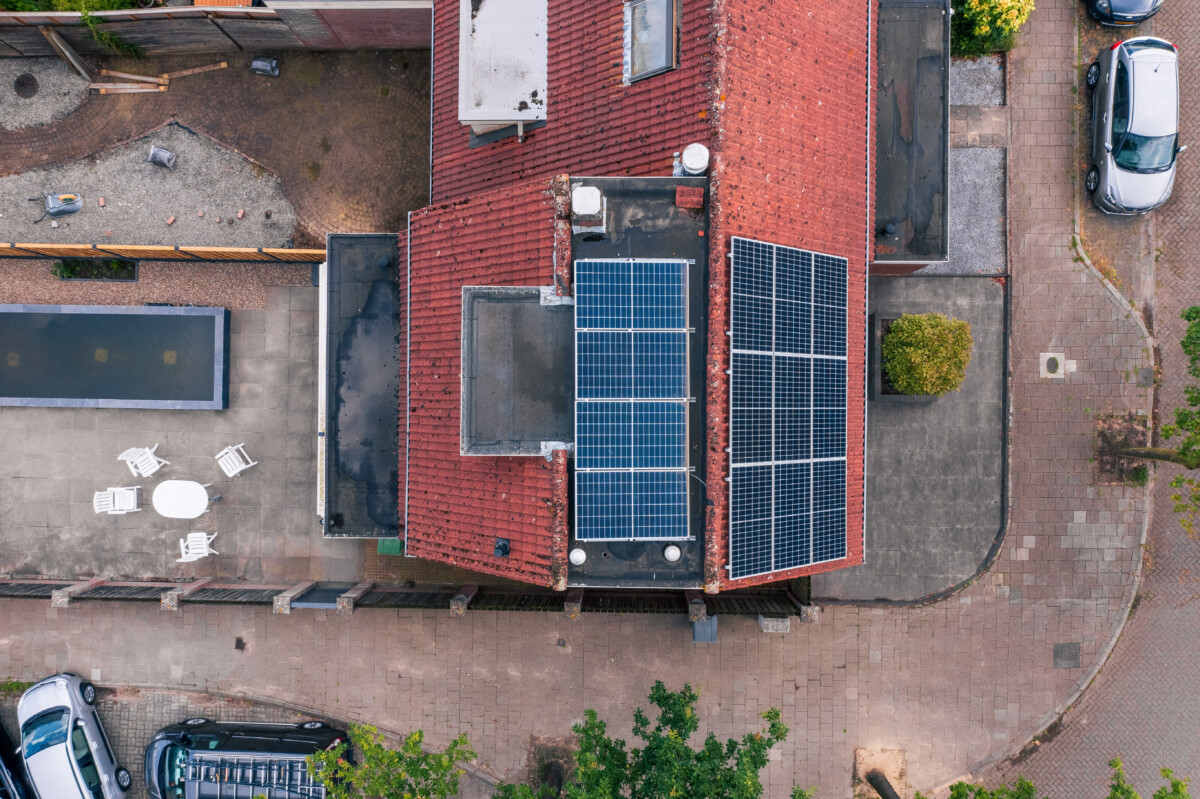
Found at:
<point>666,766</point>
<point>926,353</point>
<point>384,773</point>
<point>1119,788</point>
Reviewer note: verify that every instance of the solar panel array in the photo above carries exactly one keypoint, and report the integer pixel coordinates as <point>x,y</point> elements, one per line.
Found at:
<point>631,400</point>
<point>787,409</point>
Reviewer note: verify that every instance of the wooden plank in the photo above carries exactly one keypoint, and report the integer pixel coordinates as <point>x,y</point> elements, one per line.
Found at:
<point>64,50</point>
<point>126,88</point>
<point>146,253</point>
<point>193,71</point>
<point>112,73</point>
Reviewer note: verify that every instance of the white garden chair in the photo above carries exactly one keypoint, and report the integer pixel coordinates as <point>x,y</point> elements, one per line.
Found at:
<point>116,500</point>
<point>141,461</point>
<point>234,460</point>
<point>195,547</point>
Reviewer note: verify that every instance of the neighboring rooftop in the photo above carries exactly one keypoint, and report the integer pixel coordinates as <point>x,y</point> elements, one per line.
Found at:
<point>361,386</point>
<point>913,132</point>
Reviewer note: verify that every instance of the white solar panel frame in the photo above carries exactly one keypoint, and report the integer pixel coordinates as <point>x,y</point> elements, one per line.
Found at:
<point>772,463</point>
<point>685,401</point>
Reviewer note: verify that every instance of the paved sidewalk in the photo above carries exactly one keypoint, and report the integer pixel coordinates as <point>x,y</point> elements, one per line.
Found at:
<point>954,684</point>
<point>1142,706</point>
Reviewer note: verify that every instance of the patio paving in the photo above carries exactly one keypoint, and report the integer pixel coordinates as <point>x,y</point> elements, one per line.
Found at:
<point>53,459</point>
<point>935,488</point>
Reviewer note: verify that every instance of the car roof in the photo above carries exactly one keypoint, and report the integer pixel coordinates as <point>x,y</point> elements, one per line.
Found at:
<point>1155,92</point>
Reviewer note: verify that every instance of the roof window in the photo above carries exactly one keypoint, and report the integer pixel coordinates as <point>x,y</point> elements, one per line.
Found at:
<point>651,37</point>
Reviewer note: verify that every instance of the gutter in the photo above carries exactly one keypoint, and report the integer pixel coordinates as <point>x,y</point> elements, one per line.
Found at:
<point>408,372</point>
<point>432,78</point>
<point>867,259</point>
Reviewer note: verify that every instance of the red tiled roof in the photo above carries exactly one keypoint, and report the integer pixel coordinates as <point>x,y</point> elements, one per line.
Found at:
<point>594,125</point>
<point>790,168</point>
<point>457,506</point>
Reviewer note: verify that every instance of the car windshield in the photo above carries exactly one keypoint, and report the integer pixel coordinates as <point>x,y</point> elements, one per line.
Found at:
<point>40,732</point>
<point>1146,153</point>
<point>170,772</point>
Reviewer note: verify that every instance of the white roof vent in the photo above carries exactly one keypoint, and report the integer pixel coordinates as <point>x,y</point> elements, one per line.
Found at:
<point>585,201</point>
<point>695,159</point>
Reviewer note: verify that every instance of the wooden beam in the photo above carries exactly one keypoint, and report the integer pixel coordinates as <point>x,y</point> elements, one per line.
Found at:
<point>193,71</point>
<point>112,73</point>
<point>65,52</point>
<point>125,88</point>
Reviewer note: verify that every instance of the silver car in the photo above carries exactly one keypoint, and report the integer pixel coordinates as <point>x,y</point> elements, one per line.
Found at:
<point>66,751</point>
<point>1135,125</point>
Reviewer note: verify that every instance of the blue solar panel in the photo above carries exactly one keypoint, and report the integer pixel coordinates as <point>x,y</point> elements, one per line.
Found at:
<point>788,392</point>
<point>631,409</point>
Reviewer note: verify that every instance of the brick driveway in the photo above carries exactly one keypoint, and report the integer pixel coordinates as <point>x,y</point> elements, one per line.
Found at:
<point>1142,706</point>
<point>347,133</point>
<point>955,684</point>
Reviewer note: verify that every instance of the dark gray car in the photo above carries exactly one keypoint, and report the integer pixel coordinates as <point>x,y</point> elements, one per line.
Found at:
<point>1122,12</point>
<point>1135,125</point>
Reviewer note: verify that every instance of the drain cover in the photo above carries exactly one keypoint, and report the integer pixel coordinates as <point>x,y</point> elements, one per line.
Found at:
<point>25,85</point>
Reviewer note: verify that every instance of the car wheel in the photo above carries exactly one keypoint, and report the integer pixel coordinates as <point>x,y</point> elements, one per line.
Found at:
<point>123,779</point>
<point>1092,181</point>
<point>313,725</point>
<point>88,692</point>
<point>196,722</point>
<point>1093,75</point>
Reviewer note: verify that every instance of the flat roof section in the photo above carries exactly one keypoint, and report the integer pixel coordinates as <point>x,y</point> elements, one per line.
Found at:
<point>648,219</point>
<point>362,386</point>
<point>912,133</point>
<point>517,373</point>
<point>502,62</point>
<point>84,356</point>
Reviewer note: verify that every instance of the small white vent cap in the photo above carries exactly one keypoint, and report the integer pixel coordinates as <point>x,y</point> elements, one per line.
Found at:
<point>585,201</point>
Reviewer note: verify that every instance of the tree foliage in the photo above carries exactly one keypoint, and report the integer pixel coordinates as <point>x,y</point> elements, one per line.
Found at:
<point>979,27</point>
<point>405,773</point>
<point>666,766</point>
<point>926,353</point>
<point>1119,788</point>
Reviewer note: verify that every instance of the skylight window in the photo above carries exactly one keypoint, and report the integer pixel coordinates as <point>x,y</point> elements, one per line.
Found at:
<point>651,32</point>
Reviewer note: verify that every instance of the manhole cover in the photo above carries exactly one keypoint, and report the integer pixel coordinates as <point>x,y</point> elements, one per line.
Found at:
<point>26,86</point>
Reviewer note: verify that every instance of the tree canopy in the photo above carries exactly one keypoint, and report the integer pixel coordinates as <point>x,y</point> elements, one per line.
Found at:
<point>405,773</point>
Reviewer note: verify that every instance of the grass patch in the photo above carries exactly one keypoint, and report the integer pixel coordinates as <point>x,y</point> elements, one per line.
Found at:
<point>1139,476</point>
<point>14,687</point>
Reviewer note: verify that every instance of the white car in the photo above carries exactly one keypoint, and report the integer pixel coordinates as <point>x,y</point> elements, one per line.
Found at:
<point>1135,125</point>
<point>66,751</point>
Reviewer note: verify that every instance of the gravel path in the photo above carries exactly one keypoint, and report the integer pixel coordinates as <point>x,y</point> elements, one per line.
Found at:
<point>977,81</point>
<point>60,90</point>
<point>222,285</point>
<point>140,197</point>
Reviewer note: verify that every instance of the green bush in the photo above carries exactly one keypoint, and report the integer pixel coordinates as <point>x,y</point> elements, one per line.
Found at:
<point>982,27</point>
<point>87,268</point>
<point>926,353</point>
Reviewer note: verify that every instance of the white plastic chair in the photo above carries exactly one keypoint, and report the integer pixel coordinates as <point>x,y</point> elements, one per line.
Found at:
<point>234,460</point>
<point>195,547</point>
<point>141,461</point>
<point>116,500</point>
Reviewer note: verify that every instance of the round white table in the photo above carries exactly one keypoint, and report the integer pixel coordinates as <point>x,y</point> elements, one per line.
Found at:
<point>180,499</point>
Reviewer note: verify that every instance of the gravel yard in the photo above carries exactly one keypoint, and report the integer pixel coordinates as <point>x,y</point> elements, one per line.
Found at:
<point>140,197</point>
<point>38,91</point>
<point>221,285</point>
<point>977,81</point>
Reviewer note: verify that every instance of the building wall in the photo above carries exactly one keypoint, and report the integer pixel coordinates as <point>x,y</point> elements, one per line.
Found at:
<point>791,168</point>
<point>595,125</point>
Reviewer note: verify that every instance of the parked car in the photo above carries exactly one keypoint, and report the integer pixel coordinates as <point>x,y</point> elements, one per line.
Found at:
<point>13,782</point>
<point>63,743</point>
<point>194,758</point>
<point>1135,125</point>
<point>1122,12</point>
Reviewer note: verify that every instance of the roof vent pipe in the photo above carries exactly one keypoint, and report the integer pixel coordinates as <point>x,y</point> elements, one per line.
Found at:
<point>695,160</point>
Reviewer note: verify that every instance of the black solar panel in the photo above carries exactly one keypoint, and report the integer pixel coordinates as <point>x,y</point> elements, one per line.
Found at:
<point>631,426</point>
<point>787,408</point>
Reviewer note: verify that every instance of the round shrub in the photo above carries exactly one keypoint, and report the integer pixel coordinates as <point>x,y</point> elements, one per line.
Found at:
<point>979,27</point>
<point>926,353</point>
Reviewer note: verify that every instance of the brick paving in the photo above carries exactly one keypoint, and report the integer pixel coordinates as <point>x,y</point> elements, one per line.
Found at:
<point>347,133</point>
<point>1142,706</point>
<point>955,684</point>
<point>978,126</point>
